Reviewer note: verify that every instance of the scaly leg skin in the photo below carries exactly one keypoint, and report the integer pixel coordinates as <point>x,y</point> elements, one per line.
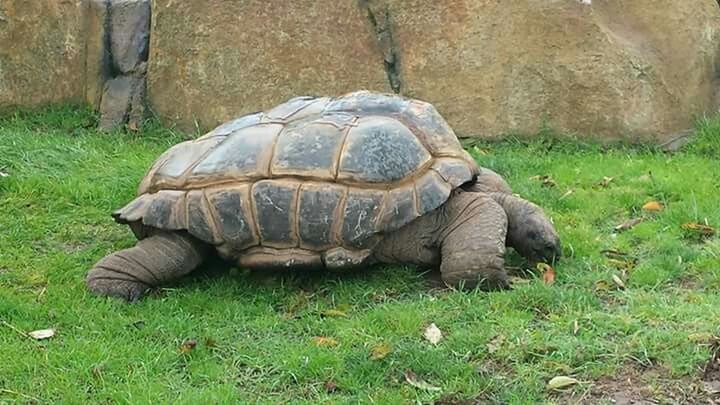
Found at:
<point>472,244</point>
<point>465,236</point>
<point>153,261</point>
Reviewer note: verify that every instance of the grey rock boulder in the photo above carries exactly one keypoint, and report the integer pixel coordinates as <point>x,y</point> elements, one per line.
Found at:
<point>130,33</point>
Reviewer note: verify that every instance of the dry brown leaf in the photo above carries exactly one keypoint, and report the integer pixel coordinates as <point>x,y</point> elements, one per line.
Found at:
<point>325,341</point>
<point>188,346</point>
<point>629,224</point>
<point>700,229</point>
<point>42,334</point>
<point>333,313</point>
<point>380,351</point>
<point>418,382</point>
<point>561,382</point>
<point>548,274</point>
<point>433,334</point>
<point>652,206</point>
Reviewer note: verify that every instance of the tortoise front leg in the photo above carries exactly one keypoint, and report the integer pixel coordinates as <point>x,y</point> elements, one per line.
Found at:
<point>153,261</point>
<point>472,243</point>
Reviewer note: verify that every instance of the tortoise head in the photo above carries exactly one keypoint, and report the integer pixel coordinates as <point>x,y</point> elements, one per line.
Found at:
<point>532,234</point>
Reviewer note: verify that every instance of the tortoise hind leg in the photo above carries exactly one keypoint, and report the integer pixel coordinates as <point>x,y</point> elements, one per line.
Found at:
<point>153,261</point>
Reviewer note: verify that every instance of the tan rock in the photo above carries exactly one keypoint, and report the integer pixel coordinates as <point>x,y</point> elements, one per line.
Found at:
<point>610,69</point>
<point>211,60</point>
<point>98,62</point>
<point>42,52</point>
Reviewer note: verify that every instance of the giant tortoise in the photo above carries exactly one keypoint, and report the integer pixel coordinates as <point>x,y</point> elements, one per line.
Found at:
<point>321,182</point>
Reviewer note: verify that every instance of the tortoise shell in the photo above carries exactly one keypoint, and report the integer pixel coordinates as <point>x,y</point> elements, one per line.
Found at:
<point>311,174</point>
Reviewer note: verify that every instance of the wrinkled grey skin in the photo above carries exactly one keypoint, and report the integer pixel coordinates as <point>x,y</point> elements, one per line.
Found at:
<point>530,231</point>
<point>465,237</point>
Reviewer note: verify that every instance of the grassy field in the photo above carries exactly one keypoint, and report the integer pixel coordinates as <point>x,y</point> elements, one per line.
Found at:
<point>631,315</point>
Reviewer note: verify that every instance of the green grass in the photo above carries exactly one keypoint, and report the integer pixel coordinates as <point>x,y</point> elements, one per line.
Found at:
<point>255,333</point>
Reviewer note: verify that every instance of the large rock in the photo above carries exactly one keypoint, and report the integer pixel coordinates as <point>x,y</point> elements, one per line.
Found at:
<point>98,66</point>
<point>611,68</point>
<point>623,68</point>
<point>129,33</point>
<point>42,52</point>
<point>211,60</point>
<point>123,102</point>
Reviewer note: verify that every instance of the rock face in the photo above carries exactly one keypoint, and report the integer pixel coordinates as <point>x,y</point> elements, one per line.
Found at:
<point>639,69</point>
<point>212,60</point>
<point>635,69</point>
<point>69,51</point>
<point>117,47</point>
<point>129,33</point>
<point>42,54</point>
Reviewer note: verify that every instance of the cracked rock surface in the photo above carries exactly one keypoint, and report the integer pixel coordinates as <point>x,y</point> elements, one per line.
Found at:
<point>638,69</point>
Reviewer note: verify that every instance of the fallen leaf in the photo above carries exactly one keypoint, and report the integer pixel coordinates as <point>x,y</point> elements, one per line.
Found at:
<point>333,313</point>
<point>618,281</point>
<point>576,327</point>
<point>325,341</point>
<point>380,351</point>
<point>700,229</point>
<point>133,127</point>
<point>629,224</point>
<point>330,387</point>
<point>42,334</point>
<point>418,382</point>
<point>548,273</point>
<point>605,181</point>
<point>495,344</point>
<point>560,382</point>
<point>652,206</point>
<point>545,179</point>
<point>433,334</point>
<point>188,346</point>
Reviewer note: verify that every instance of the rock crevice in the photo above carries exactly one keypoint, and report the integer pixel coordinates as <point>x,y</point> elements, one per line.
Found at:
<point>123,30</point>
<point>381,22</point>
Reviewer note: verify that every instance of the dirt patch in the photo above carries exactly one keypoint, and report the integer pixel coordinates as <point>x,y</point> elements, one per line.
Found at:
<point>711,373</point>
<point>633,385</point>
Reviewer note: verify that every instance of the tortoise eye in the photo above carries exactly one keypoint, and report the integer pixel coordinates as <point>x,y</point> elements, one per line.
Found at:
<point>532,235</point>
